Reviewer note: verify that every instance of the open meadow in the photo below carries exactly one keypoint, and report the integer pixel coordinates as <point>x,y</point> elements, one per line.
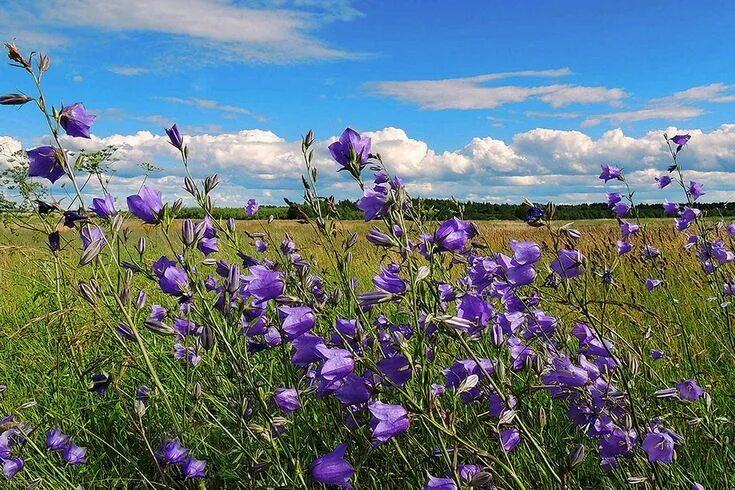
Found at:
<point>48,356</point>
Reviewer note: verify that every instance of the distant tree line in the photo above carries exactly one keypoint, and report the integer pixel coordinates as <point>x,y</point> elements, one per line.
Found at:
<point>442,209</point>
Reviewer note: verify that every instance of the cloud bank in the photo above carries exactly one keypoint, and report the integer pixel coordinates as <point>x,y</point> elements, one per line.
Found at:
<point>542,164</point>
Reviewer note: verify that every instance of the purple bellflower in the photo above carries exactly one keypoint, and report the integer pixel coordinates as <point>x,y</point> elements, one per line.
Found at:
<point>44,162</point>
<point>146,205</point>
<point>333,468</point>
<point>611,173</point>
<point>387,421</point>
<point>76,121</point>
<point>351,149</point>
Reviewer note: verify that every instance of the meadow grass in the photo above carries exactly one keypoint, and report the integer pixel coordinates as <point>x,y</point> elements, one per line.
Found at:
<point>47,355</point>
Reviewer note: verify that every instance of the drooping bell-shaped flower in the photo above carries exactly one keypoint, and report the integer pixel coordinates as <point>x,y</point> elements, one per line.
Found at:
<point>12,466</point>
<point>568,264</point>
<point>56,441</point>
<point>509,439</point>
<point>659,446</point>
<point>194,468</point>
<point>689,390</point>
<point>104,207</point>
<point>696,190</point>
<point>146,205</point>
<point>333,468</point>
<point>44,162</point>
<point>76,121</point>
<point>171,452</point>
<point>287,399</point>
<point>387,421</point>
<point>611,173</point>
<point>74,454</point>
<point>436,483</point>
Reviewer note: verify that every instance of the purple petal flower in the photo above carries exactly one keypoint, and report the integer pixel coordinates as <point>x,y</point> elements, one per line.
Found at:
<point>306,349</point>
<point>534,215</point>
<point>476,310</point>
<point>656,354</point>
<point>55,440</point>
<point>186,352</point>
<point>670,208</point>
<point>613,198</point>
<point>690,214</point>
<point>208,245</point>
<point>659,446</point>
<point>389,280</point>
<point>650,252</point>
<point>44,162</point>
<point>681,139</point>
<point>184,327</point>
<point>453,234</point>
<point>74,454</point>
<point>194,468</point>
<point>663,181</point>
<point>525,252</point>
<point>436,483</point>
<point>628,229</point>
<point>568,264</point>
<point>620,209</point>
<point>76,121</point>
<point>509,438</point>
<point>396,369</point>
<point>104,207</point>
<point>206,228</point>
<point>387,421</point>
<point>71,216</point>
<point>171,452</point>
<point>89,235</point>
<point>333,468</point>
<point>624,247</point>
<point>375,202</point>
<point>158,313</point>
<point>287,399</point>
<point>12,466</point>
<point>378,238</point>
<point>146,205</point>
<point>173,281</point>
<point>252,207</point>
<point>125,331</point>
<point>337,363</point>
<point>652,284</point>
<point>695,190</point>
<point>689,390</point>
<point>264,284</point>
<point>351,149</point>
<point>467,472</point>
<point>380,177</point>
<point>297,320</point>
<point>611,173</point>
<point>143,393</point>
<point>261,245</point>
<point>174,137</point>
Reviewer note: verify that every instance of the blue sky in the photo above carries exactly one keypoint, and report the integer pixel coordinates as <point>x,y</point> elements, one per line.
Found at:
<point>470,98</point>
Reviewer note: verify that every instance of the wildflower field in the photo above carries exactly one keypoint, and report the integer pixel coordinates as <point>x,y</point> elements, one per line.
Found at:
<point>142,350</point>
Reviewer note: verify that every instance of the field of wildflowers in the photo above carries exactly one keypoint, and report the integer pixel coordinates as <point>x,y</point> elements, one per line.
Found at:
<point>138,350</point>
